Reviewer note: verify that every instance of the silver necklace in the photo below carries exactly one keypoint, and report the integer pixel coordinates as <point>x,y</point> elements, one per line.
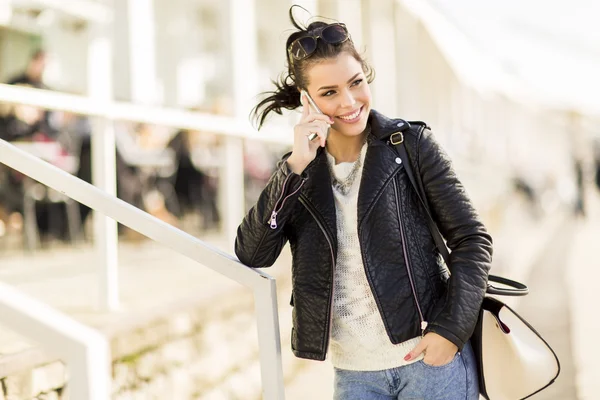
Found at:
<point>344,185</point>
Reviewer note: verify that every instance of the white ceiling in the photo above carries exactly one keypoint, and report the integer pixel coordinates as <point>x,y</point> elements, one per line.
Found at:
<point>551,46</point>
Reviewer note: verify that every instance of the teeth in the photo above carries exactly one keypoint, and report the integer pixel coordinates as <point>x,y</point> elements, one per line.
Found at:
<point>349,117</point>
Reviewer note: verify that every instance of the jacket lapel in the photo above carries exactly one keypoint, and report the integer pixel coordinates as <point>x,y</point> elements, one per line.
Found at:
<point>379,167</point>
<point>318,191</point>
<point>381,164</point>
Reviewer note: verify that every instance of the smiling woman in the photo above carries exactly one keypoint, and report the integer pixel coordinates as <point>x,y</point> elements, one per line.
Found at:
<point>369,289</point>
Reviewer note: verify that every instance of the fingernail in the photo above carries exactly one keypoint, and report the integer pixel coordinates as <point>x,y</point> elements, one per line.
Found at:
<point>407,357</point>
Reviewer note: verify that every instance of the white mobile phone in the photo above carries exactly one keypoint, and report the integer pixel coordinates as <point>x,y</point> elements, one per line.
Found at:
<point>312,103</point>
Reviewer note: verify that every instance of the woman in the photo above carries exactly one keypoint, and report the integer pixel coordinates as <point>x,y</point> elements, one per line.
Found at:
<point>369,289</point>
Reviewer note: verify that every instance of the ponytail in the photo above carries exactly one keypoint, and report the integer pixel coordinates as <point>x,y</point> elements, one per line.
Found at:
<point>286,95</point>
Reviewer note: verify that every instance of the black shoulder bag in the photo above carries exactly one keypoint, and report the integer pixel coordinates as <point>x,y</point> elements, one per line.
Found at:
<point>513,360</point>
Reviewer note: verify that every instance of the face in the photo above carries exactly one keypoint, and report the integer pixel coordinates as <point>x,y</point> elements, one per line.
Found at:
<point>37,66</point>
<point>340,89</point>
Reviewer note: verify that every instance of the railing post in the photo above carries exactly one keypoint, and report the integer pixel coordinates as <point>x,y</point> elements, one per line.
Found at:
<point>243,60</point>
<point>90,372</point>
<point>231,186</point>
<point>85,350</point>
<point>103,165</point>
<point>142,51</point>
<point>105,229</point>
<point>269,341</point>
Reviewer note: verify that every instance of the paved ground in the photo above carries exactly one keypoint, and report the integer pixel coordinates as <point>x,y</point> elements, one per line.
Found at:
<point>547,308</point>
<point>582,280</point>
<point>563,307</point>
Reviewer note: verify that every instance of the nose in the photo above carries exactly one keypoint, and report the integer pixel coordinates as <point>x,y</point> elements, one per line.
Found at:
<point>348,99</point>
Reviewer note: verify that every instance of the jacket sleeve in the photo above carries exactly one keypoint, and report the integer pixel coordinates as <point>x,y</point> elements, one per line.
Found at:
<point>260,236</point>
<point>467,238</point>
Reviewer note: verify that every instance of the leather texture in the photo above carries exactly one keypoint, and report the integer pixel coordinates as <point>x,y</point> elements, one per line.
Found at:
<point>305,216</point>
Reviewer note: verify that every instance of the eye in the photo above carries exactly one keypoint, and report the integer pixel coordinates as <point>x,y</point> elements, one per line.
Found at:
<point>357,82</point>
<point>328,93</point>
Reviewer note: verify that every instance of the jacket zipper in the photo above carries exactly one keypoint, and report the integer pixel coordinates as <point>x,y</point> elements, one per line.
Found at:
<point>333,263</point>
<point>273,219</point>
<point>407,261</point>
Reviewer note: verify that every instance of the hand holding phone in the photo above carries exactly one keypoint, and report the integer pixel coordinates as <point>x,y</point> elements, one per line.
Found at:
<point>313,125</point>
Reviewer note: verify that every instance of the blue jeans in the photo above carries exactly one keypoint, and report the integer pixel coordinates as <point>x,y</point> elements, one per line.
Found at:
<point>454,381</point>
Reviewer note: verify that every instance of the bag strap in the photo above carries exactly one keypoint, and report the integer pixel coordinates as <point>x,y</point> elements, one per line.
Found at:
<point>516,288</point>
<point>420,190</point>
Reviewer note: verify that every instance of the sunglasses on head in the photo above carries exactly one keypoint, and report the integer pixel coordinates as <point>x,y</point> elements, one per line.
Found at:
<point>304,46</point>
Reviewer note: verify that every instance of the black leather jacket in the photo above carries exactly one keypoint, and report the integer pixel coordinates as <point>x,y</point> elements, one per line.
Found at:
<point>403,267</point>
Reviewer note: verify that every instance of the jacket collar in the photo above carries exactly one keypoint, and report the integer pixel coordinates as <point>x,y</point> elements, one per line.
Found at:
<point>382,127</point>
<point>380,164</point>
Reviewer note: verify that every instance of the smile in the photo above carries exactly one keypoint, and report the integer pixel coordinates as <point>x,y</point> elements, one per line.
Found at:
<point>351,117</point>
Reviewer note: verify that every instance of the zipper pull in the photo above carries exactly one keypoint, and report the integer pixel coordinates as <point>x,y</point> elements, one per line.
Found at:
<point>423,327</point>
<point>273,220</point>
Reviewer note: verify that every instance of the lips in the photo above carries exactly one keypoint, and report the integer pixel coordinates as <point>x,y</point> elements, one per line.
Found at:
<point>351,117</point>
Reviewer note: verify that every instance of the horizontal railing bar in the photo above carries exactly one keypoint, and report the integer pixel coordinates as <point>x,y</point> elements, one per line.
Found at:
<point>163,116</point>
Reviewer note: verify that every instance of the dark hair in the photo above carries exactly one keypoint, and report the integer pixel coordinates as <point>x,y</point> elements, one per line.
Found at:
<point>287,94</point>
<point>38,54</point>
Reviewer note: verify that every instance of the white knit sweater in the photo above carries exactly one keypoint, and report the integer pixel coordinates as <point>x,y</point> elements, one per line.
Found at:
<point>359,341</point>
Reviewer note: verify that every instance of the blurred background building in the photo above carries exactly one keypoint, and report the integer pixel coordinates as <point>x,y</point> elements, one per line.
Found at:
<point>509,88</point>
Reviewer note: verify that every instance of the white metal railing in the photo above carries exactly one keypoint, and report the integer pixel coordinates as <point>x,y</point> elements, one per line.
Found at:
<point>263,285</point>
<point>232,129</point>
<point>86,351</point>
<point>121,111</point>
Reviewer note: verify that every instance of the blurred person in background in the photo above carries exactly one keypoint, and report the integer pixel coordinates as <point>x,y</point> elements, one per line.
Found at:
<point>145,171</point>
<point>24,123</point>
<point>34,72</point>
<point>198,160</point>
<point>129,182</point>
<point>75,136</point>
<point>17,122</point>
<point>523,187</point>
<point>597,163</point>
<point>158,193</point>
<point>369,288</point>
<point>579,206</point>
<point>33,76</point>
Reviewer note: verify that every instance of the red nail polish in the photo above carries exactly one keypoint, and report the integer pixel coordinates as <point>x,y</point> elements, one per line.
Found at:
<point>407,357</point>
